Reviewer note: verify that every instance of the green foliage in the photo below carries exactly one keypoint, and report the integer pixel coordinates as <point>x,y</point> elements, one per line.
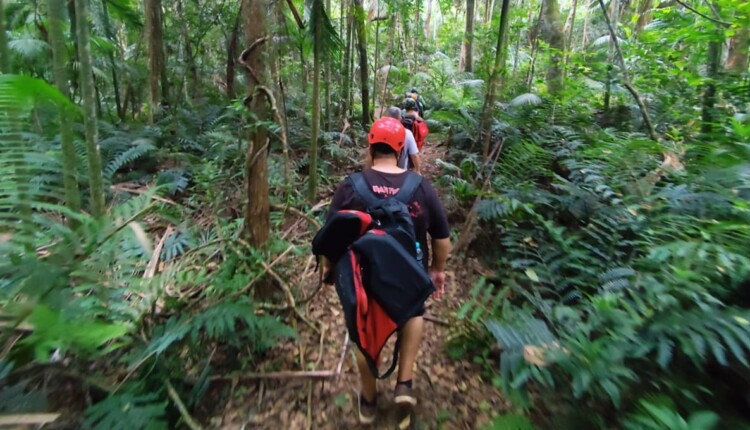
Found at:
<point>127,411</point>
<point>510,422</point>
<point>652,416</point>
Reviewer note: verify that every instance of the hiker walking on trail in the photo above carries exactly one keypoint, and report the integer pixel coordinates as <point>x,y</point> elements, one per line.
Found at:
<point>409,157</point>
<point>412,121</point>
<point>384,271</point>
<point>414,95</point>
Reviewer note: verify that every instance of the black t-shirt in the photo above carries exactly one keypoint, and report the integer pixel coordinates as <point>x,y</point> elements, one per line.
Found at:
<point>425,208</point>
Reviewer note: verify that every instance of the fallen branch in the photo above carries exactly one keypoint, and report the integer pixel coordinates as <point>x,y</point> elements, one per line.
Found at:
<point>340,366</point>
<point>27,419</point>
<point>310,219</point>
<point>288,374</point>
<point>435,320</point>
<point>123,188</point>
<point>189,421</point>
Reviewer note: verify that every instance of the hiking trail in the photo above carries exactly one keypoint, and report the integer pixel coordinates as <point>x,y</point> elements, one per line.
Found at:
<point>451,393</point>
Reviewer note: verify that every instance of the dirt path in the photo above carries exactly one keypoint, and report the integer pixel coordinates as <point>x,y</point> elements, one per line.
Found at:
<point>451,393</point>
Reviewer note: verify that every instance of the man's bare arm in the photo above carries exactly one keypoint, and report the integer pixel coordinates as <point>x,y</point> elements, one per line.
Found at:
<point>417,163</point>
<point>441,248</point>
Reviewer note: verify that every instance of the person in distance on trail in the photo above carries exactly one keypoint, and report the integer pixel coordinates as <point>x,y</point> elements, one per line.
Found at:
<point>386,178</point>
<point>410,154</point>
<point>421,108</point>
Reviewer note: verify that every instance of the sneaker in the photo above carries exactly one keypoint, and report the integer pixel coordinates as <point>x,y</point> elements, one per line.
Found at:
<point>405,395</point>
<point>367,410</point>
<point>405,402</point>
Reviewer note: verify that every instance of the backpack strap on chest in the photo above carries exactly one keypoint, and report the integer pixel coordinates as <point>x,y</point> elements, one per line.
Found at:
<point>362,190</point>
<point>409,187</point>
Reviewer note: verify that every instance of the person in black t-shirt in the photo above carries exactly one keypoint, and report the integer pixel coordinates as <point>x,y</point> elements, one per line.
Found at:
<point>386,139</point>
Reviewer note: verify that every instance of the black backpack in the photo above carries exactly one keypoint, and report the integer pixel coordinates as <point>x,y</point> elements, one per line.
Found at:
<point>379,281</point>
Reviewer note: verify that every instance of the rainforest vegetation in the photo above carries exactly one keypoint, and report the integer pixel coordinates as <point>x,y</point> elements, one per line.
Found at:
<point>164,165</point>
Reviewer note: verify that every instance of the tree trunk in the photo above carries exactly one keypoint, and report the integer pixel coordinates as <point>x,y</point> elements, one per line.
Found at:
<point>257,223</point>
<point>156,63</point>
<point>328,81</point>
<point>626,76</point>
<point>359,16</point>
<point>74,38</point>
<point>466,62</point>
<point>347,55</point>
<point>737,58</point>
<point>57,44</point>
<point>317,24</point>
<point>428,19</point>
<point>115,80</point>
<point>709,94</point>
<point>553,35</point>
<point>569,24</point>
<point>4,52</point>
<point>189,56</point>
<point>644,15</point>
<point>88,91</point>
<point>232,55</point>
<point>498,69</point>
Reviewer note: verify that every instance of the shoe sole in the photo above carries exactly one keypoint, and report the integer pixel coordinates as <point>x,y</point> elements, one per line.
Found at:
<point>406,400</point>
<point>366,420</point>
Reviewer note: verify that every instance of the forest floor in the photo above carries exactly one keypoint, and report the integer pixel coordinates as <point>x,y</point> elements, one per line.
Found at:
<point>451,393</point>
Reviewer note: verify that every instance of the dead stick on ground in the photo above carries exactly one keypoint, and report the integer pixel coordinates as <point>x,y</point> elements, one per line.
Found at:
<point>435,320</point>
<point>283,374</point>
<point>309,405</point>
<point>343,356</point>
<point>189,421</point>
<point>151,268</point>
<point>297,212</point>
<point>263,272</point>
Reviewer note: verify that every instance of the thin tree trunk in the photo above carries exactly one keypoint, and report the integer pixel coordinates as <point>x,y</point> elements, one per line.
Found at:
<point>377,63</point>
<point>189,56</point>
<point>312,191</point>
<point>614,16</point>
<point>553,35</point>
<point>569,24</point>
<point>427,21</point>
<point>709,94</point>
<point>328,81</point>
<point>626,76</point>
<point>347,56</point>
<point>4,52</point>
<point>156,63</point>
<point>115,81</point>
<point>584,33</point>
<point>737,57</point>
<point>498,69</point>
<point>231,55</point>
<point>389,61</point>
<point>74,38</point>
<point>96,185</point>
<point>644,15</point>
<point>257,223</point>
<point>55,16</point>
<point>534,35</point>
<point>359,13</point>
<point>467,47</point>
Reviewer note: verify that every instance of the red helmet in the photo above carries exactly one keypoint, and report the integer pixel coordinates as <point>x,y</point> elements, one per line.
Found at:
<point>388,131</point>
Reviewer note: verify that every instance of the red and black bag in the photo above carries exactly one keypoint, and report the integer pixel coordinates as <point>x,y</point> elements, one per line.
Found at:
<point>379,281</point>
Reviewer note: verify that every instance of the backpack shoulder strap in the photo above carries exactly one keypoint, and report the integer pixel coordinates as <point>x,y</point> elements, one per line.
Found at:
<point>409,187</point>
<point>362,190</point>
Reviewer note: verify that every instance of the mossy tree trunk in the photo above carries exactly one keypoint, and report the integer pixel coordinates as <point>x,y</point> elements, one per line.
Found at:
<point>4,52</point>
<point>55,10</point>
<point>96,184</point>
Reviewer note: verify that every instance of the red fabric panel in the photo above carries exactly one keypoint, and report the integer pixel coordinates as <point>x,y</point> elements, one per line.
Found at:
<point>374,326</point>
